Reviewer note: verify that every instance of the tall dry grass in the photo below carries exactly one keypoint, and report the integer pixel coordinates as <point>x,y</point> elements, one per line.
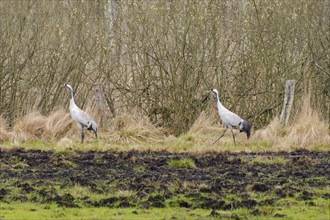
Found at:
<point>127,128</point>
<point>205,122</point>
<point>59,127</point>
<point>58,124</point>
<point>35,126</point>
<point>30,126</point>
<point>306,130</point>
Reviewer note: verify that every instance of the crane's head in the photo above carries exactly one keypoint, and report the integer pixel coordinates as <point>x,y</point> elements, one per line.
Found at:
<point>68,86</point>
<point>215,91</point>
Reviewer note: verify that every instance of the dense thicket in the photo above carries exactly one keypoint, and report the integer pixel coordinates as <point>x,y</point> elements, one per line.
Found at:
<point>158,58</point>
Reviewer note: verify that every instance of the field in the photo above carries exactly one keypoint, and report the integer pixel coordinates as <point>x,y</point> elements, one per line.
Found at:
<point>111,184</point>
<point>136,171</point>
<point>143,71</point>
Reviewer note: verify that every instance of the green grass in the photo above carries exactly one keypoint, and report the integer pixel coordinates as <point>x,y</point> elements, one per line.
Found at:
<point>183,143</point>
<point>177,200</point>
<point>293,209</point>
<point>185,163</point>
<point>269,160</point>
<point>287,208</point>
<point>52,211</point>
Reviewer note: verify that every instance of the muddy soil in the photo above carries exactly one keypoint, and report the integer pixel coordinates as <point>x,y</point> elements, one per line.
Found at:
<point>218,181</point>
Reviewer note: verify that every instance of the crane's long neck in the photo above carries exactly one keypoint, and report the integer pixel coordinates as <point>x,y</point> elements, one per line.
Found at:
<point>72,103</point>
<point>219,105</point>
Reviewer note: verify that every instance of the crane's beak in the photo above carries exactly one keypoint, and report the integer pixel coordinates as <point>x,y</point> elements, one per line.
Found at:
<point>206,98</point>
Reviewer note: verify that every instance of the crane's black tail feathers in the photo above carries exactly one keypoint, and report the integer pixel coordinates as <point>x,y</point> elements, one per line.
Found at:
<point>244,126</point>
<point>92,127</point>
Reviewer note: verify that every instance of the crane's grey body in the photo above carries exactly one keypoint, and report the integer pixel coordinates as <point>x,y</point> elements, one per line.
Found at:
<point>230,119</point>
<point>80,117</point>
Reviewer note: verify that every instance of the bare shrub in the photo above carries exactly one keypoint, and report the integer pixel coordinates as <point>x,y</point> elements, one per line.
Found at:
<point>161,56</point>
<point>5,134</point>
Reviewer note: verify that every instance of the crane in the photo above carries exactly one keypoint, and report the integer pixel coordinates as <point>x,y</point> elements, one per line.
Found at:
<point>79,116</point>
<point>230,119</point>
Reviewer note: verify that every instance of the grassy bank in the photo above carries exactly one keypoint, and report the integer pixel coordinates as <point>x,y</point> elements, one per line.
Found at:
<point>286,209</point>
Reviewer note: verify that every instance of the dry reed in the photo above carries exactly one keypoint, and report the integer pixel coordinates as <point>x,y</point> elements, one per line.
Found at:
<point>31,126</point>
<point>126,129</point>
<point>58,124</point>
<point>306,130</point>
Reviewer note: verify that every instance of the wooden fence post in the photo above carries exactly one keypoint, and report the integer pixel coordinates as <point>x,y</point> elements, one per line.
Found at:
<point>288,101</point>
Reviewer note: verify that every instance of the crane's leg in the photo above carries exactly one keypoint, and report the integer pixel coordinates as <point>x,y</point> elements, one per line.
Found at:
<point>95,132</point>
<point>82,135</point>
<point>233,136</point>
<point>219,137</point>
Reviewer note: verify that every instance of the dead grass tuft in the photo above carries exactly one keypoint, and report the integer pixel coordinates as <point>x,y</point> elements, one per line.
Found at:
<point>30,127</point>
<point>58,124</point>
<point>126,129</point>
<point>271,133</point>
<point>306,131</point>
<point>206,122</point>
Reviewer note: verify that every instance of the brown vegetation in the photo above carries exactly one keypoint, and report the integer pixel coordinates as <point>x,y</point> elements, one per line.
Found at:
<point>31,126</point>
<point>127,129</point>
<point>158,58</point>
<point>58,124</point>
<point>4,133</point>
<point>306,130</point>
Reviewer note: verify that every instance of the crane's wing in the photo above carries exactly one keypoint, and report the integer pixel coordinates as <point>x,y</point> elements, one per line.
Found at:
<point>81,117</point>
<point>89,123</point>
<point>230,118</point>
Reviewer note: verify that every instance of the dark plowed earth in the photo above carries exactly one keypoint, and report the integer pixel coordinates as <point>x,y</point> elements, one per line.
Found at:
<point>42,176</point>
